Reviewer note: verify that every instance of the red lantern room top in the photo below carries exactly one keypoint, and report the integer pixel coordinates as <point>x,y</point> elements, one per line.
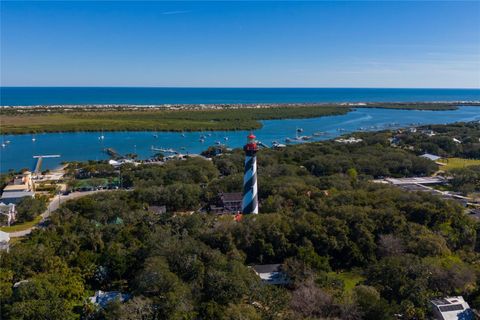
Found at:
<point>251,143</point>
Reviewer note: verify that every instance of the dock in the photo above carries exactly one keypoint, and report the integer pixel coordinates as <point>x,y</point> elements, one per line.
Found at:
<point>113,153</point>
<point>38,164</point>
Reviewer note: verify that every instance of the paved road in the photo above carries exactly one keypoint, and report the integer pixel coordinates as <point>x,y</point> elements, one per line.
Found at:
<point>52,206</point>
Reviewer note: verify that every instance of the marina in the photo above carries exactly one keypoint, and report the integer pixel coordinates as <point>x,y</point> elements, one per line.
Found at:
<point>83,146</point>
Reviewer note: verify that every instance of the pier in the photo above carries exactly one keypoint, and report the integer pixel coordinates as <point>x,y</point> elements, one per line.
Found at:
<point>38,164</point>
<point>113,153</point>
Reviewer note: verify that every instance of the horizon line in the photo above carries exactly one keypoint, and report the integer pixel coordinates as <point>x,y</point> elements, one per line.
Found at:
<point>242,87</point>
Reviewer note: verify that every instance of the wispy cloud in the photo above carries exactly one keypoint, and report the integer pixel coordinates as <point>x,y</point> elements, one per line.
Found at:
<point>175,12</point>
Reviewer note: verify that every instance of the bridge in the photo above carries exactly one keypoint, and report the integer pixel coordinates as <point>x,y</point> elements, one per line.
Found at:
<point>39,158</point>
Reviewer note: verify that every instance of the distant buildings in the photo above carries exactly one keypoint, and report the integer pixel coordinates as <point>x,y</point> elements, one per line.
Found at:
<point>452,308</point>
<point>19,188</point>
<point>416,180</point>
<point>349,140</point>
<point>271,274</point>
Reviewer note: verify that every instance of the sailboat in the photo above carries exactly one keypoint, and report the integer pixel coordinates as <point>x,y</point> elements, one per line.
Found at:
<point>33,138</point>
<point>101,136</point>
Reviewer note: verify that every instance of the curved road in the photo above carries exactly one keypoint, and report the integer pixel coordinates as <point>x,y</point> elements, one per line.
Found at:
<point>52,206</point>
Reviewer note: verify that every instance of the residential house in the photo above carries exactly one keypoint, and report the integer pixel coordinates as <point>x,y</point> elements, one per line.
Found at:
<point>228,203</point>
<point>430,156</point>
<point>271,274</point>
<point>451,308</point>
<point>102,298</point>
<point>19,188</point>
<point>15,197</point>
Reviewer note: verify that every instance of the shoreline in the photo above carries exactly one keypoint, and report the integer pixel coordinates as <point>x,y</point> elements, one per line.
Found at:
<point>179,118</point>
<point>427,105</point>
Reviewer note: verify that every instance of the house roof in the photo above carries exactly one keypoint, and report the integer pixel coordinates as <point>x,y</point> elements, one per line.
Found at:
<point>266,268</point>
<point>453,308</point>
<point>158,209</point>
<point>17,194</point>
<point>15,187</point>
<point>430,156</point>
<point>233,196</point>
<point>102,298</point>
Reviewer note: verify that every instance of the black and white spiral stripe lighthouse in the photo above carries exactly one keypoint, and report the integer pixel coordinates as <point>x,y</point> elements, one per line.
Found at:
<point>250,199</point>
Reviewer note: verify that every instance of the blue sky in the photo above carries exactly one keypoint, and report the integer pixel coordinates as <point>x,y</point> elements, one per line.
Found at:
<point>241,44</point>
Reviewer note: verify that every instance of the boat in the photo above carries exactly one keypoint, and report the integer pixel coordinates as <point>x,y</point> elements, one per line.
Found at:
<point>202,140</point>
<point>299,130</point>
<point>183,134</point>
<point>33,138</point>
<point>218,143</point>
<point>225,138</point>
<point>101,136</point>
<point>163,150</point>
<point>288,140</point>
<point>277,145</point>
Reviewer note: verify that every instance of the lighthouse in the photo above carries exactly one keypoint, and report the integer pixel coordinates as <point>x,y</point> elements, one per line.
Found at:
<point>250,199</point>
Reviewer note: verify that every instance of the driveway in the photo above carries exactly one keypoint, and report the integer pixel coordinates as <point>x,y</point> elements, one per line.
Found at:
<point>52,206</point>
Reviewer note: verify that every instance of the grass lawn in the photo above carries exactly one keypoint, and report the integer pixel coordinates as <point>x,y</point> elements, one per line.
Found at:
<point>22,226</point>
<point>349,278</point>
<point>455,163</point>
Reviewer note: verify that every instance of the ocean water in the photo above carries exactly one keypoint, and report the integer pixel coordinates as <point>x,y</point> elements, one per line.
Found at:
<point>81,146</point>
<point>15,96</point>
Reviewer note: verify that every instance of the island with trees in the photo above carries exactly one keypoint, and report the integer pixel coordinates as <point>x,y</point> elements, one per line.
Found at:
<point>69,118</point>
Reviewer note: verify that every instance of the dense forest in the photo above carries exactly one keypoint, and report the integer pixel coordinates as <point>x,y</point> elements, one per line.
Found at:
<point>352,249</point>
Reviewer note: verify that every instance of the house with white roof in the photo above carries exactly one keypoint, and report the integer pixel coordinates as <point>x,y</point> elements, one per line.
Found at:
<point>271,274</point>
<point>452,308</point>
<point>430,156</point>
